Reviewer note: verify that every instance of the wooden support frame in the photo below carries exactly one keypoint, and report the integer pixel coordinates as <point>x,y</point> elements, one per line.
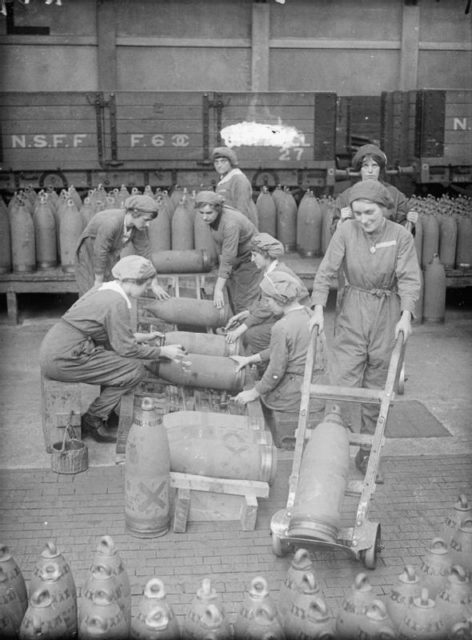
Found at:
<point>217,499</point>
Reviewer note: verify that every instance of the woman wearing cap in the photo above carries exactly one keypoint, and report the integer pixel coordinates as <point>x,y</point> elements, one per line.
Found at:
<point>371,162</point>
<point>256,322</point>
<point>94,343</point>
<point>233,185</point>
<point>232,233</point>
<point>279,387</point>
<point>107,233</point>
<point>380,267</point>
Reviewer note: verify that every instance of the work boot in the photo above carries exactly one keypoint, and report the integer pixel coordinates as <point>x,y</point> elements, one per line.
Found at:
<point>362,460</point>
<point>113,422</point>
<point>95,427</point>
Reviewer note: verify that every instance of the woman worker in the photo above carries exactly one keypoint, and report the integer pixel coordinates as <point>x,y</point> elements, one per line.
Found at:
<point>371,162</point>
<point>232,233</point>
<point>255,323</point>
<point>380,266</point>
<point>106,234</point>
<point>94,343</point>
<point>233,185</point>
<point>280,386</point>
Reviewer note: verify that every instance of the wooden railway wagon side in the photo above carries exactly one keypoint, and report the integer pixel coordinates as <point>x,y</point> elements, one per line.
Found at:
<point>358,121</point>
<point>164,138</point>
<point>429,134</point>
<point>43,136</point>
<point>287,138</point>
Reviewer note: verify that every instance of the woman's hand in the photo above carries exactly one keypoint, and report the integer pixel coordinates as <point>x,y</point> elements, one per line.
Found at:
<point>241,361</point>
<point>317,319</point>
<point>218,293</point>
<point>412,216</point>
<point>246,396</point>
<point>404,324</point>
<point>218,299</point>
<point>158,291</point>
<point>236,320</point>
<point>232,336</point>
<point>173,352</point>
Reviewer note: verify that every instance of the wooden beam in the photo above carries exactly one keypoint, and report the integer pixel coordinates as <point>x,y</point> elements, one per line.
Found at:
<point>409,48</point>
<point>248,513</point>
<point>156,41</point>
<point>347,394</point>
<point>330,43</point>
<point>260,47</point>
<point>253,488</point>
<point>181,510</point>
<point>106,37</point>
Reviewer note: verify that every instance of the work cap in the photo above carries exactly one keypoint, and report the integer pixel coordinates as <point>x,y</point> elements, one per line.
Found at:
<point>267,243</point>
<point>208,197</point>
<point>372,190</point>
<point>143,204</point>
<point>133,268</point>
<point>225,152</point>
<point>281,286</point>
<point>369,150</point>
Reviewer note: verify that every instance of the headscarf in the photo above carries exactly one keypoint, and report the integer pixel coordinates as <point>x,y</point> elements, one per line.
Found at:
<point>133,268</point>
<point>225,152</point>
<point>281,286</point>
<point>372,190</point>
<point>208,197</point>
<point>264,242</point>
<point>369,150</point>
<point>141,204</point>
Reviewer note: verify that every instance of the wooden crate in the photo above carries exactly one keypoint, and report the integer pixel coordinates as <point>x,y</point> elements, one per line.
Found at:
<point>60,405</point>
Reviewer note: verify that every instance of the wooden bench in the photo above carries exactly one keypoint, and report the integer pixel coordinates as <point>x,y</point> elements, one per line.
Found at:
<point>55,280</point>
<point>47,281</point>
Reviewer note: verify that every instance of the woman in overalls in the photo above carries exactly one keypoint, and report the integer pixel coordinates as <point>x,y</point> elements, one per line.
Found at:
<point>380,267</point>
<point>94,343</point>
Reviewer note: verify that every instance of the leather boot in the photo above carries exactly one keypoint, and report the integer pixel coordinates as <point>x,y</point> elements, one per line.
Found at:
<point>95,427</point>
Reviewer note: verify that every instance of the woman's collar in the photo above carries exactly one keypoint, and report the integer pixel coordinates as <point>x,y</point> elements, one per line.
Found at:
<point>233,172</point>
<point>114,285</point>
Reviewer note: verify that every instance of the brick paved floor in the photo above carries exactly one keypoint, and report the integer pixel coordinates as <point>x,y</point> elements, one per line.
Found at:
<point>37,505</point>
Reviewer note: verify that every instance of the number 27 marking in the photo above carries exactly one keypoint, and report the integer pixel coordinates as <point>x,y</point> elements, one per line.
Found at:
<point>286,153</point>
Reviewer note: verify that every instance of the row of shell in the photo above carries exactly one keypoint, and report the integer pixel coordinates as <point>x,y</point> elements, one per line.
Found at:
<point>48,236</point>
<point>444,227</point>
<point>432,602</point>
<point>303,227</point>
<point>41,230</point>
<point>50,606</point>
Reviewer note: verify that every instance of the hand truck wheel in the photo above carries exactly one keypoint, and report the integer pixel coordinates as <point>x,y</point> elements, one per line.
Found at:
<point>369,556</point>
<point>401,381</point>
<point>277,546</point>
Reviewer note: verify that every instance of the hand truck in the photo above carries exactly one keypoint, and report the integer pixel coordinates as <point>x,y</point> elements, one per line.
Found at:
<point>363,540</point>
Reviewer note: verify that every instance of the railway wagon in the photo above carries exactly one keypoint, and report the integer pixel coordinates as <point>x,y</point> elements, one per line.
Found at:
<point>164,138</point>
<point>430,134</point>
